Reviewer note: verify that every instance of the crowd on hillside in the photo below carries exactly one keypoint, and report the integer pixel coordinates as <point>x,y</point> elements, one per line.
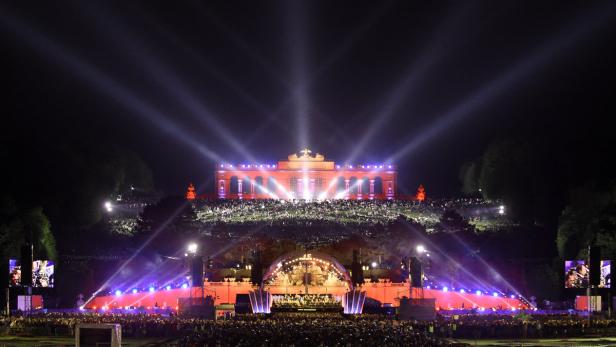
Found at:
<point>349,212</point>
<point>315,329</point>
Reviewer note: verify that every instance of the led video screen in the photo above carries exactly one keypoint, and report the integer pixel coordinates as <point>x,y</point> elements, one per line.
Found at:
<point>606,274</point>
<point>42,273</point>
<point>577,274</point>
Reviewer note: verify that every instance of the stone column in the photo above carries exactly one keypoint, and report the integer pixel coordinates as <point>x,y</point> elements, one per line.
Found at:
<point>222,188</point>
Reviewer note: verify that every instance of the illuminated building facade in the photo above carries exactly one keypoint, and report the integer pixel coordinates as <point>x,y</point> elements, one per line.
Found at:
<point>306,177</point>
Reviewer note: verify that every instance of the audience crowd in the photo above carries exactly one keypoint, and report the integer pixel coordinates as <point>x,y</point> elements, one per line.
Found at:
<point>314,329</point>
<point>350,212</point>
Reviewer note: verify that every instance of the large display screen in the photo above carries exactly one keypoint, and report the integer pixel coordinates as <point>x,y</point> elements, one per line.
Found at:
<point>42,273</point>
<point>577,274</point>
<point>606,274</point>
<point>14,273</point>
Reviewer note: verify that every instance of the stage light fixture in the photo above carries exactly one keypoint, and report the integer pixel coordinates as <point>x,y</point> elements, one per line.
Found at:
<point>495,294</point>
<point>445,289</point>
<point>478,292</point>
<point>501,209</point>
<point>192,248</point>
<point>151,289</point>
<point>184,285</point>
<point>420,249</point>
<point>118,292</point>
<point>374,264</point>
<point>135,291</point>
<point>168,287</point>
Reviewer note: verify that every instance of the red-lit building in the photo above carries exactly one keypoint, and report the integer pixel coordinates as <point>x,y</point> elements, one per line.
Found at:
<point>306,177</point>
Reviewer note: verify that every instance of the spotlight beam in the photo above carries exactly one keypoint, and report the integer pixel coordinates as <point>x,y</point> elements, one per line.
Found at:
<point>342,49</point>
<point>511,77</point>
<point>431,245</point>
<point>488,266</point>
<point>296,38</point>
<point>240,43</point>
<point>165,78</point>
<point>138,251</point>
<point>102,82</point>
<point>411,82</point>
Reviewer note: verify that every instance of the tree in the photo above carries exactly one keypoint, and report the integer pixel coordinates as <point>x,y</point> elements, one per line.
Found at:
<point>588,219</point>
<point>172,219</point>
<point>452,221</point>
<point>71,181</point>
<point>469,175</point>
<point>36,224</point>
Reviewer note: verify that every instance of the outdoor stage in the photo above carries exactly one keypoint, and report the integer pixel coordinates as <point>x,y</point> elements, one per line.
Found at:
<point>384,292</point>
<point>301,273</point>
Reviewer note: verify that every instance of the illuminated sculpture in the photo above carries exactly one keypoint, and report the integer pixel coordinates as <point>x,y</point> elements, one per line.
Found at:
<point>421,193</point>
<point>191,194</point>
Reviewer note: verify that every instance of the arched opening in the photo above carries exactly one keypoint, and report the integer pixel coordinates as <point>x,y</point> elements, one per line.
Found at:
<point>246,185</point>
<point>365,185</point>
<point>318,185</point>
<point>233,185</point>
<point>294,269</point>
<point>353,185</point>
<point>293,185</point>
<point>271,185</point>
<point>340,186</point>
<point>378,185</point>
<point>259,185</point>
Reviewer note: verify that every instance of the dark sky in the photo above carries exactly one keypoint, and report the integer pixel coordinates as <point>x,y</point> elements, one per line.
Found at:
<point>428,84</point>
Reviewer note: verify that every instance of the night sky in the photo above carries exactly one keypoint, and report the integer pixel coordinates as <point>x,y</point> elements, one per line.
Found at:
<point>427,84</point>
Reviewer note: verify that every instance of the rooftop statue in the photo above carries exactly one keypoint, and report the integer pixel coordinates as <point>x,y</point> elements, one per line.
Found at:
<point>306,156</point>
